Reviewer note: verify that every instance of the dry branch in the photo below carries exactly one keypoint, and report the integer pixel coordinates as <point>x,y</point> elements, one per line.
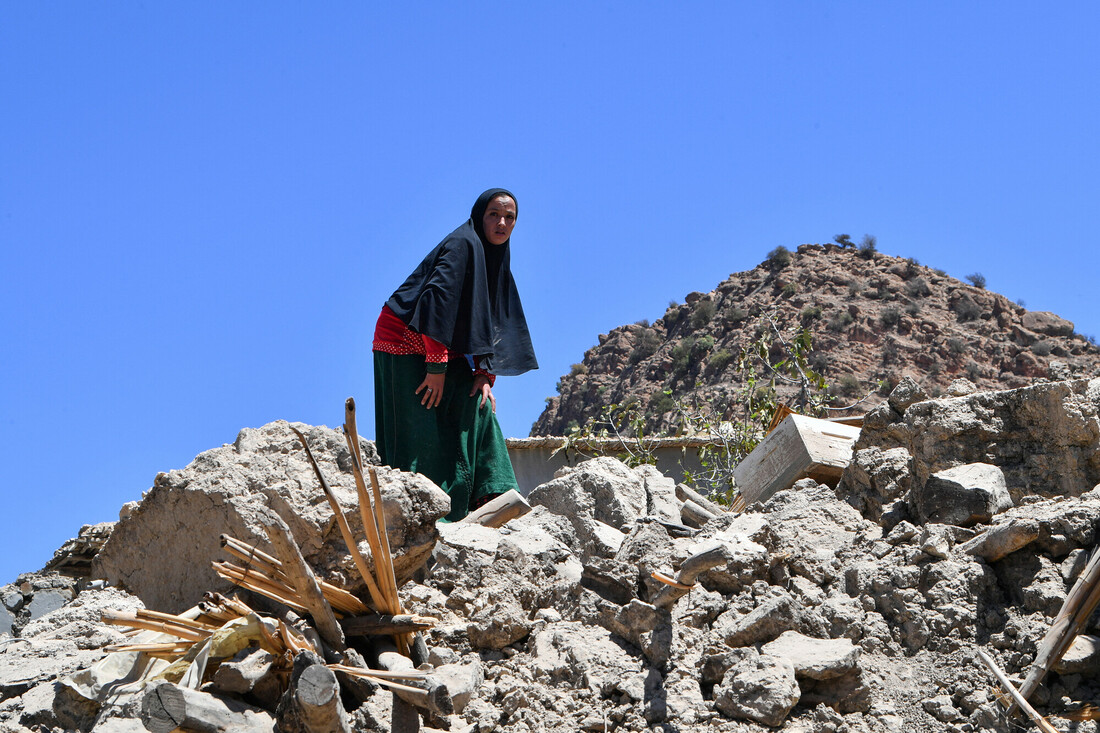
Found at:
<point>342,523</point>
<point>119,618</point>
<point>1018,698</point>
<point>300,574</point>
<point>259,583</point>
<point>271,566</point>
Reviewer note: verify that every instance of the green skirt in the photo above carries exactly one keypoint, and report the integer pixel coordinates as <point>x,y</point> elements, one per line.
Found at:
<point>456,444</point>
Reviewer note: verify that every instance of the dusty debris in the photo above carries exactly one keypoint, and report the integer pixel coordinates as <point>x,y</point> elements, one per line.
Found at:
<point>818,609</point>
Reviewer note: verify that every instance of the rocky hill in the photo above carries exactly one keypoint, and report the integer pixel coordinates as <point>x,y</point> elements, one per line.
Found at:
<point>874,318</point>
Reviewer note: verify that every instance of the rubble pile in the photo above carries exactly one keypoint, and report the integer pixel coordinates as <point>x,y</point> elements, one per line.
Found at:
<point>959,528</point>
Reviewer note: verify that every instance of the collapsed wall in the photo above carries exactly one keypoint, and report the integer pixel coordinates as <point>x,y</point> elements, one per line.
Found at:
<point>860,609</point>
<point>162,548</point>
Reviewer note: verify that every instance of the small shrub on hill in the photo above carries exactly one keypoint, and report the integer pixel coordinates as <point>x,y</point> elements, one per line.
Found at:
<point>844,240</point>
<point>645,346</point>
<point>660,402</point>
<point>779,258</point>
<point>718,361</point>
<point>850,385</point>
<point>956,345</point>
<point>736,315</point>
<point>977,279</point>
<point>681,355</point>
<point>578,368</point>
<point>810,314</point>
<point>790,289</point>
<point>1042,348</point>
<point>917,288</point>
<point>840,320</point>
<point>913,308</point>
<point>704,311</point>
<point>868,246</point>
<point>966,309</point>
<point>890,317</point>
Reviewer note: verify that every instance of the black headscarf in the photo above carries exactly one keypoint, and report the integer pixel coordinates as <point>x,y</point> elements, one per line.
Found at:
<point>463,295</point>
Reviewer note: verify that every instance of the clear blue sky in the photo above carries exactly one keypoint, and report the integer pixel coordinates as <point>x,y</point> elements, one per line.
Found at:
<point>204,205</point>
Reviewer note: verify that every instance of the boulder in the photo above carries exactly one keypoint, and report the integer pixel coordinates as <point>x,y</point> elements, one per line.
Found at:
<point>162,551</point>
<point>1047,323</point>
<point>963,496</point>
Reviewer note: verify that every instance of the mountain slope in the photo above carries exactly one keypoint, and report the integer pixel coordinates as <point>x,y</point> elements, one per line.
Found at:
<point>873,317</point>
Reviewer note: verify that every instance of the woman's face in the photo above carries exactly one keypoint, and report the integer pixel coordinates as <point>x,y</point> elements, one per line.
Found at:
<point>499,219</point>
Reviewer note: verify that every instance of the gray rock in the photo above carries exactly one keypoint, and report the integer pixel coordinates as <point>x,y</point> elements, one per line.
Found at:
<point>241,673</point>
<point>817,659</point>
<point>79,620</point>
<point>963,495</point>
<point>876,477</point>
<point>462,680</point>
<point>748,558</point>
<point>661,501</point>
<point>846,694</point>
<point>25,663</point>
<point>811,525</point>
<point>902,532</point>
<point>961,387</point>
<point>1045,438</point>
<point>1003,538</point>
<point>7,621</point>
<point>906,393</point>
<point>597,493</point>
<point>162,552</point>
<point>935,540</point>
<point>498,625</point>
<point>1082,657</point>
<point>45,601</point>
<point>587,656</point>
<point>36,707</point>
<point>941,708</point>
<point>13,599</point>
<point>767,621</point>
<point>762,689</point>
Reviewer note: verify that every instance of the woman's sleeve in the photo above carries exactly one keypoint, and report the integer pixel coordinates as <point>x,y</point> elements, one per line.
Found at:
<point>435,355</point>
<point>484,373</point>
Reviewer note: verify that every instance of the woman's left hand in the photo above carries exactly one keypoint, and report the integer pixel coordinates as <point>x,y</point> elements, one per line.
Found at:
<point>482,386</point>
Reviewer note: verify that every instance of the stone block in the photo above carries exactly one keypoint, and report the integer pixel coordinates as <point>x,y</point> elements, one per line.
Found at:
<point>963,496</point>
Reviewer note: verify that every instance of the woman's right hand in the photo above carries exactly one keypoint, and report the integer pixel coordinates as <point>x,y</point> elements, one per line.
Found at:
<point>432,387</point>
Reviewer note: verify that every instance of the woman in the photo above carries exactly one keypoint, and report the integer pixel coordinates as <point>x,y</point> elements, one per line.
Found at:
<point>434,414</point>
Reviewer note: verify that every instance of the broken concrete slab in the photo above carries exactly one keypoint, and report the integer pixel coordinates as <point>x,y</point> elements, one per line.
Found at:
<point>818,659</point>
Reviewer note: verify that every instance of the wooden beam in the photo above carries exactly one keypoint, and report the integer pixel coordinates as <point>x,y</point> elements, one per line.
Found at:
<point>499,511</point>
<point>168,707</point>
<point>303,580</point>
